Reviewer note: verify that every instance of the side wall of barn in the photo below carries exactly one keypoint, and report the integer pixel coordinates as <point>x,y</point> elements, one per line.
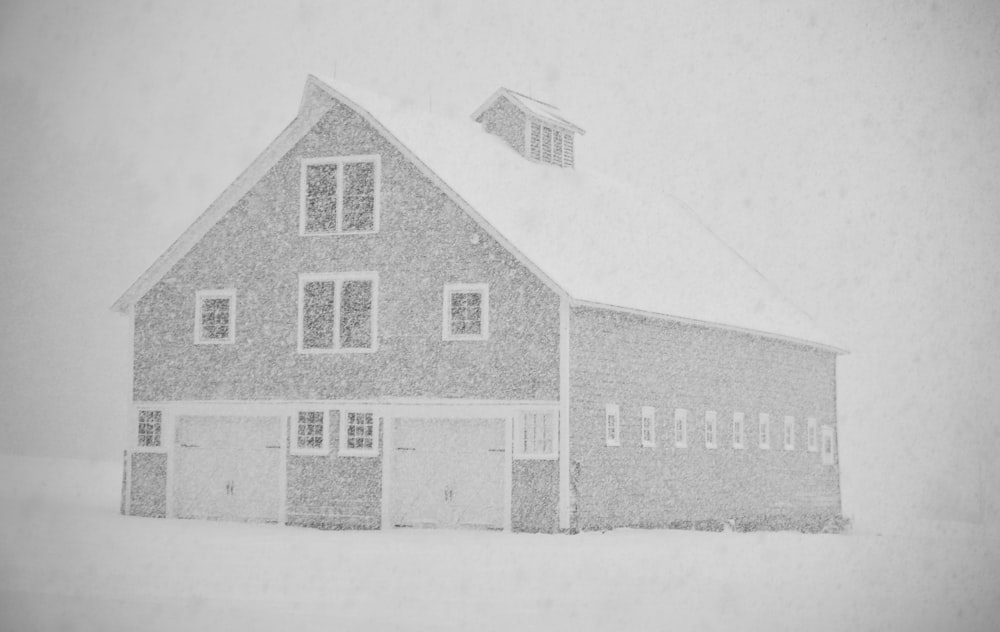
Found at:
<point>634,361</point>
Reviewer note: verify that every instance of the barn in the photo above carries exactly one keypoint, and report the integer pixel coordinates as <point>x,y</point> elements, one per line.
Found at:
<point>394,318</point>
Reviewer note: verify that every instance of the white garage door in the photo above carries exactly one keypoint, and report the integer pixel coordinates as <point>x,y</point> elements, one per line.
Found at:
<point>448,473</point>
<point>227,468</point>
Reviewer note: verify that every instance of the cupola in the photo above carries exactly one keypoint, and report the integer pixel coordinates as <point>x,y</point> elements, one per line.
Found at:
<point>535,129</point>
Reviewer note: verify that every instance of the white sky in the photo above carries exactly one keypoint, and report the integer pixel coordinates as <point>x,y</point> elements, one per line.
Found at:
<point>850,151</point>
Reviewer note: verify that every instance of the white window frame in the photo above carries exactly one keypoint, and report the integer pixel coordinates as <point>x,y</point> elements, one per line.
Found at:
<point>294,432</point>
<point>812,435</point>
<point>611,410</point>
<point>680,428</point>
<point>764,431</point>
<point>648,427</point>
<point>788,435</point>
<point>342,449</point>
<point>484,306</point>
<point>339,278</point>
<point>202,295</point>
<point>340,161</point>
<point>711,423</point>
<point>739,431</point>
<point>136,447</point>
<point>519,429</point>
<point>829,458</point>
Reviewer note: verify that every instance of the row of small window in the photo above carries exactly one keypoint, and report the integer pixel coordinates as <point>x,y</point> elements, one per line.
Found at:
<point>534,432</point>
<point>358,432</point>
<point>647,414</point>
<point>338,312</point>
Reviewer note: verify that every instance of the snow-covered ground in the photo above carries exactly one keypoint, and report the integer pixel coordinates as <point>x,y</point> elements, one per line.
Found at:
<point>69,561</point>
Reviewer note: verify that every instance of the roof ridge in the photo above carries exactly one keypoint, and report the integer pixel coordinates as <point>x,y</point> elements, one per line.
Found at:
<point>531,98</point>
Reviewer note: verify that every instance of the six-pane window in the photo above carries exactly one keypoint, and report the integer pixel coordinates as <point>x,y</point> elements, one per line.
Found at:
<point>359,432</point>
<point>680,428</point>
<point>710,429</point>
<point>337,312</point>
<point>466,311</point>
<point>340,195</point>
<point>535,433</point>
<point>311,434</point>
<point>648,426</point>
<point>738,430</point>
<point>612,425</point>
<point>215,312</point>
<point>150,428</point>
<point>764,431</point>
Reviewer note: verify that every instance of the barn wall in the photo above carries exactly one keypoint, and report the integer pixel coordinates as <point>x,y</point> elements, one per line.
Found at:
<point>634,361</point>
<point>535,496</point>
<point>424,242</point>
<point>507,121</point>
<point>149,484</point>
<point>332,491</point>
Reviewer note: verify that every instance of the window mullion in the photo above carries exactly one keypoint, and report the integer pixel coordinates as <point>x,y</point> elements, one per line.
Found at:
<point>337,297</point>
<point>340,197</point>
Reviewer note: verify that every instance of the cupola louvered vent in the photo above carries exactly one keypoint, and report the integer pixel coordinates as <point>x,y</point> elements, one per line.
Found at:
<point>534,129</point>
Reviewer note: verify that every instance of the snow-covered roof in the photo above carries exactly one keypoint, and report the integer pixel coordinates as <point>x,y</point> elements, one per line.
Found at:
<point>593,238</point>
<point>531,106</point>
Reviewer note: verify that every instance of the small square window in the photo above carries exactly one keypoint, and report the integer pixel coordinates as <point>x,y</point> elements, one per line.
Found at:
<point>215,316</point>
<point>359,434</point>
<point>150,433</point>
<point>812,442</point>
<point>648,427</point>
<point>535,435</point>
<point>738,430</point>
<point>764,431</point>
<point>680,428</point>
<point>612,425</point>
<point>711,430</point>
<point>789,435</point>
<point>466,312</point>
<point>312,435</point>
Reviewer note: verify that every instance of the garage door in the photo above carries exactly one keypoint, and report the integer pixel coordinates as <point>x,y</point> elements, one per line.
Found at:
<point>227,468</point>
<point>448,473</point>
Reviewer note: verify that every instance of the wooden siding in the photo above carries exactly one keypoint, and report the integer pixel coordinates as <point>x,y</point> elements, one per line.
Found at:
<point>535,496</point>
<point>506,120</point>
<point>424,242</point>
<point>635,361</point>
<point>149,484</point>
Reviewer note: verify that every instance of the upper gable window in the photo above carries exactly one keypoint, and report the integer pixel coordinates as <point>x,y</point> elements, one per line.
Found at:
<point>338,312</point>
<point>340,195</point>
<point>215,316</point>
<point>550,144</point>
<point>466,312</point>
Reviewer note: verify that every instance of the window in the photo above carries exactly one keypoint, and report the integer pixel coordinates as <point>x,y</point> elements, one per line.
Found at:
<point>648,427</point>
<point>338,312</point>
<point>612,425</point>
<point>550,145</point>
<point>466,311</point>
<point>312,432</point>
<point>680,428</point>
<point>764,431</point>
<point>789,433</point>
<point>738,431</point>
<point>535,435</point>
<point>150,429</point>
<point>812,444</point>
<point>214,316</point>
<point>359,434</point>
<point>340,195</point>
<point>710,430</point>
<point>828,445</point>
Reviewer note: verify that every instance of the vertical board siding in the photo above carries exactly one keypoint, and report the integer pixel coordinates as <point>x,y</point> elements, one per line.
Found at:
<point>633,361</point>
<point>535,496</point>
<point>424,242</point>
<point>149,484</point>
